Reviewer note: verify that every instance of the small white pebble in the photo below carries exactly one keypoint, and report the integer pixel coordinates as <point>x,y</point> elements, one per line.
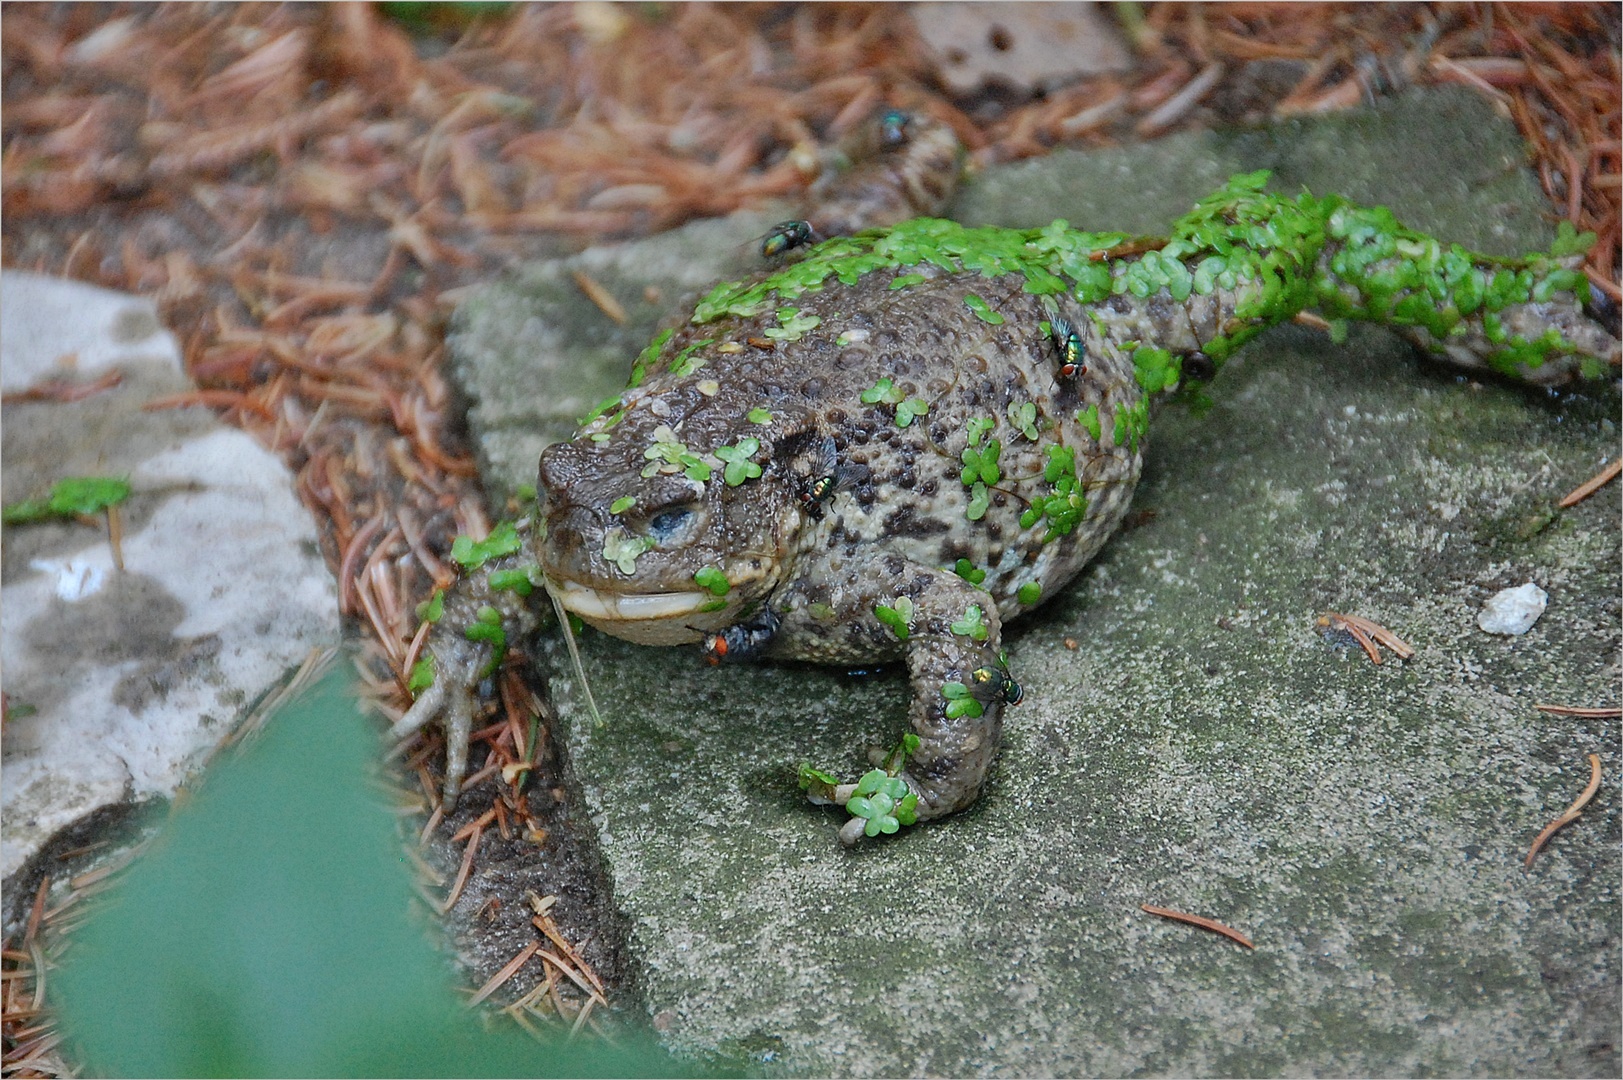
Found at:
<point>75,578</point>
<point>1513,611</point>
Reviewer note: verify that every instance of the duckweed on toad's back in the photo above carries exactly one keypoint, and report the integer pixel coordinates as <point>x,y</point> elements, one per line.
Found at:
<point>885,449</point>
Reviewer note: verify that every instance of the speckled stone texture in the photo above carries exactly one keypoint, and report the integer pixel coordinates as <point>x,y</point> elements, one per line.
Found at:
<point>1188,737</point>
<point>132,675</point>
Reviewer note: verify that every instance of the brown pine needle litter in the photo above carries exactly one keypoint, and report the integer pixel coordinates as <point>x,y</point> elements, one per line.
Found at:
<point>507,972</point>
<point>1592,485</point>
<point>463,870</point>
<point>305,191</point>
<point>1572,811</point>
<point>1596,712</point>
<point>1200,921</point>
<point>1368,634</point>
<point>543,922</point>
<point>600,296</point>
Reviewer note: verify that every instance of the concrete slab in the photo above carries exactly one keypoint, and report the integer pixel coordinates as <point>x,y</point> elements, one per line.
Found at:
<point>1189,738</point>
<point>130,676</point>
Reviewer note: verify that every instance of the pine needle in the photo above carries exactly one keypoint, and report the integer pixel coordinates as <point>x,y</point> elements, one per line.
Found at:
<point>1200,921</point>
<point>574,651</point>
<point>1572,811</point>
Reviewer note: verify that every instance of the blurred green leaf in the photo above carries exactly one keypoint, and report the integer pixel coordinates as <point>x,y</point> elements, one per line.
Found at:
<point>68,498</point>
<point>423,18</point>
<point>268,933</point>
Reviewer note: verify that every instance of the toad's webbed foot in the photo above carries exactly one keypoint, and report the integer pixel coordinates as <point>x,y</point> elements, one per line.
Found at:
<point>880,802</point>
<point>452,699</point>
<point>486,609</point>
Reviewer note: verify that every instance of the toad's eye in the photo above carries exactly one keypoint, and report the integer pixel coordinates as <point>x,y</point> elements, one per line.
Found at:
<point>668,521</point>
<point>668,524</point>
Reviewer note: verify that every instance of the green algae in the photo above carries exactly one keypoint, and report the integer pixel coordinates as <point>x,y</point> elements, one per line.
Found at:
<point>1266,256</point>
<point>1265,248</point>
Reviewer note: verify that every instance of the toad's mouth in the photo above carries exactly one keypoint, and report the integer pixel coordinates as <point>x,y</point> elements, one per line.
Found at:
<point>671,618</point>
<point>676,617</point>
<point>598,605</point>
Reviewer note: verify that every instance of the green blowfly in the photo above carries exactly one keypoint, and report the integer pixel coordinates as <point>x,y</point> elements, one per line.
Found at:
<point>1073,354</point>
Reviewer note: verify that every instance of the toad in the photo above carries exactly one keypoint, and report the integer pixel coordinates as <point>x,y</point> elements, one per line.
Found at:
<point>889,446</point>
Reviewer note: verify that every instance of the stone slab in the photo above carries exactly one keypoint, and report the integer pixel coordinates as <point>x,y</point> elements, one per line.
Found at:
<point>1027,46</point>
<point>1189,738</point>
<point>133,675</point>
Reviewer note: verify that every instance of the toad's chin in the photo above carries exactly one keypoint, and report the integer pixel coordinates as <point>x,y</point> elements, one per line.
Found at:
<point>669,618</point>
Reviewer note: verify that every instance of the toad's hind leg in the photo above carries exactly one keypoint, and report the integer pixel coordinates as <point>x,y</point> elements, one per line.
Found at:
<point>949,631</point>
<point>957,684</point>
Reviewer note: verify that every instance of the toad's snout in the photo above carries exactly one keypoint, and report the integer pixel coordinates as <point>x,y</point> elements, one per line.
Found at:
<point>563,470</point>
<point>565,548</point>
<point>569,526</point>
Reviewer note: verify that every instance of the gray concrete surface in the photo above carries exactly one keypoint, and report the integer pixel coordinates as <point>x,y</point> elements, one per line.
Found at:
<point>1189,738</point>
<point>123,679</point>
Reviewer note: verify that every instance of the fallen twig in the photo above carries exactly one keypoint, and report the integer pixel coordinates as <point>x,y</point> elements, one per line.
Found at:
<point>508,970</point>
<point>567,969</point>
<point>600,296</point>
<point>580,1018</point>
<point>62,390</point>
<point>1598,712</point>
<point>476,825</point>
<point>208,399</point>
<point>1126,248</point>
<point>1173,109</point>
<point>462,871</point>
<point>543,922</point>
<point>1592,485</point>
<point>37,912</point>
<point>115,536</point>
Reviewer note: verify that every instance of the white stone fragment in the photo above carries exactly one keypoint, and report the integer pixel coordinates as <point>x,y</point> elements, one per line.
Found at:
<point>132,676</point>
<point>1513,611</point>
<point>75,578</point>
<point>54,328</point>
<point>1026,45</point>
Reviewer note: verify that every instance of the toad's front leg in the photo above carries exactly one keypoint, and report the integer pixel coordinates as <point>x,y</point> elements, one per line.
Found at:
<point>948,630</point>
<point>489,606</point>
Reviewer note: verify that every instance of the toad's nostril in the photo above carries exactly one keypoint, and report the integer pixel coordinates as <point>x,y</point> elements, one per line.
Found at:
<point>568,466</point>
